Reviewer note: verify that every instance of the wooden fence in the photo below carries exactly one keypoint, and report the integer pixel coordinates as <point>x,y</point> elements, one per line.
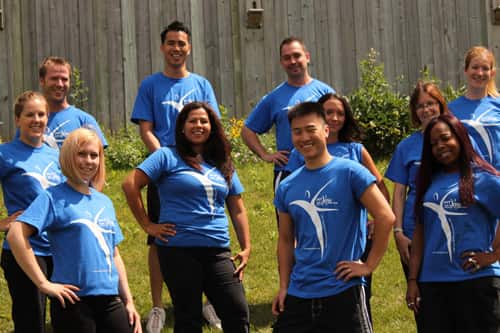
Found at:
<point>115,43</point>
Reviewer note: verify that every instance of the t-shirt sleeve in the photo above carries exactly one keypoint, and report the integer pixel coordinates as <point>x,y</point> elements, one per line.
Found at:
<point>156,164</point>
<point>397,171</point>
<point>295,161</point>
<point>361,179</point>
<point>90,123</point>
<point>210,97</point>
<point>39,214</point>
<point>236,186</point>
<point>260,119</point>
<point>143,106</point>
<point>487,192</point>
<point>279,198</point>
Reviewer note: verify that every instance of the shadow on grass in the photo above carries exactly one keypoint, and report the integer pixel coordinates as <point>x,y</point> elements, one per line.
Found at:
<point>260,316</point>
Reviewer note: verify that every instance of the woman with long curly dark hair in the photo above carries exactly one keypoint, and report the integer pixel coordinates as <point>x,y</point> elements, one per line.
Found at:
<point>196,181</point>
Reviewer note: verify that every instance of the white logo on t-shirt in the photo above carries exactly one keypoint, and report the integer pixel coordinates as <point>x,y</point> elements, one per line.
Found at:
<point>480,125</point>
<point>180,104</point>
<point>442,214</point>
<point>43,177</point>
<point>208,185</point>
<point>98,232</point>
<point>312,209</point>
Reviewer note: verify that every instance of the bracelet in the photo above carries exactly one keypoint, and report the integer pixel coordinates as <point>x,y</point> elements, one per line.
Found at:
<point>397,229</point>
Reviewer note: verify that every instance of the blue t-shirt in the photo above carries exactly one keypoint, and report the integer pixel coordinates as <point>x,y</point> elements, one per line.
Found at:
<point>63,122</point>
<point>193,200</point>
<point>450,229</point>
<point>329,224</point>
<point>403,169</point>
<point>273,110</point>
<point>348,150</point>
<point>160,99</point>
<point>25,172</point>
<point>83,233</point>
<point>481,117</point>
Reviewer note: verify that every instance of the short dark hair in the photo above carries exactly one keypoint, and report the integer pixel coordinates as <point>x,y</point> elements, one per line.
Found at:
<point>290,40</point>
<point>306,108</point>
<point>175,26</point>
<point>52,60</point>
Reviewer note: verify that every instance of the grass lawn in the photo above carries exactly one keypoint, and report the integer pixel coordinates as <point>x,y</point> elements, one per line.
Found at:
<point>261,279</point>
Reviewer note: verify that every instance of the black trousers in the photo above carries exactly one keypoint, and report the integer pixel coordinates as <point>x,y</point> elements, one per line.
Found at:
<point>189,272</point>
<point>344,313</point>
<point>461,307</point>
<point>92,314</point>
<point>28,303</point>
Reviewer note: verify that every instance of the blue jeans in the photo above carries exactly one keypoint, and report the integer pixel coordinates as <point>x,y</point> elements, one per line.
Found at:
<point>189,272</point>
<point>345,312</point>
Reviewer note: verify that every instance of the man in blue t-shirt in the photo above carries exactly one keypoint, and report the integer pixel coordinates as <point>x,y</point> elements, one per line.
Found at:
<point>322,234</point>
<point>54,77</point>
<point>273,108</point>
<point>160,98</point>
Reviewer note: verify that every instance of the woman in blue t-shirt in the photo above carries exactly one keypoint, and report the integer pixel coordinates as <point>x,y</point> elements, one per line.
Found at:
<point>426,103</point>
<point>196,181</point>
<point>88,288</point>
<point>455,248</point>
<point>479,108</point>
<point>27,168</point>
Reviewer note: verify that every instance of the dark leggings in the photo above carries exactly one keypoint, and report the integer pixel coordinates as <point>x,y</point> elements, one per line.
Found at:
<point>28,303</point>
<point>188,272</point>
<point>92,314</point>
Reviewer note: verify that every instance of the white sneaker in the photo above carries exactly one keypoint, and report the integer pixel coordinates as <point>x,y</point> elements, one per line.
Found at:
<point>156,320</point>
<point>210,316</point>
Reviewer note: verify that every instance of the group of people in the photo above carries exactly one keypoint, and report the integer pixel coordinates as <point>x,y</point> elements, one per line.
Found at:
<point>332,206</point>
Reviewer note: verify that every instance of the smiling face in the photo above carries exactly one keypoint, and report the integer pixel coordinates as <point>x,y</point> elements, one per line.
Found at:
<point>56,83</point>
<point>32,121</point>
<point>87,161</point>
<point>176,48</point>
<point>445,146</point>
<point>335,115</point>
<point>294,59</point>
<point>479,72</point>
<point>309,134</point>
<point>427,108</point>
<point>197,128</point>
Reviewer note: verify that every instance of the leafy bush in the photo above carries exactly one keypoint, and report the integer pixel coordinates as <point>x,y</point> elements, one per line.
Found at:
<point>449,92</point>
<point>381,112</point>
<point>79,91</point>
<point>125,149</point>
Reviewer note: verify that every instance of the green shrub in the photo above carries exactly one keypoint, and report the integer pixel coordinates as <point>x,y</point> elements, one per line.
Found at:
<point>449,92</point>
<point>125,149</point>
<point>381,112</point>
<point>79,90</point>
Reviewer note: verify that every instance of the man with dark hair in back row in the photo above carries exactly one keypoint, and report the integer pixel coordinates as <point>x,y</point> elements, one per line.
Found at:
<point>160,98</point>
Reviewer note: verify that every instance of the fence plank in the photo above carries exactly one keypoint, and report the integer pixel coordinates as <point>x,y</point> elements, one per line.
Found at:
<point>129,48</point>
<point>88,58</point>
<point>225,94</point>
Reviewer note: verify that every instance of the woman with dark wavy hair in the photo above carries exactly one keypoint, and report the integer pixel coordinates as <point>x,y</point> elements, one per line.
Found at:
<point>456,244</point>
<point>196,181</point>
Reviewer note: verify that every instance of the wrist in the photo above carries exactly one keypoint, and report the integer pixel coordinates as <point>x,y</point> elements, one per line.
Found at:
<point>397,230</point>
